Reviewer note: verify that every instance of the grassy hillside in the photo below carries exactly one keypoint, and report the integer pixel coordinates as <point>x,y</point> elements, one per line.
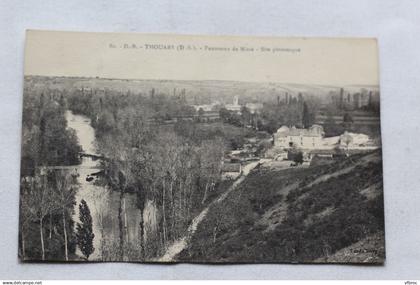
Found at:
<point>296,215</point>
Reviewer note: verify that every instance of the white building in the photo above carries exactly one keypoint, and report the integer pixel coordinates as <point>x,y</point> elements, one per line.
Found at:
<point>235,107</point>
<point>207,107</point>
<point>310,138</point>
<point>254,107</point>
<point>356,141</point>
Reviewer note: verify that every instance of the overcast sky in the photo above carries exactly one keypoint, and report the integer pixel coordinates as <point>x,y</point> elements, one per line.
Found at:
<point>286,60</point>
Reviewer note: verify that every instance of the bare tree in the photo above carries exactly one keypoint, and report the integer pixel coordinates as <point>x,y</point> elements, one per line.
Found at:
<point>347,140</point>
<point>66,190</point>
<point>101,205</point>
<point>41,202</point>
<point>211,161</point>
<point>117,153</point>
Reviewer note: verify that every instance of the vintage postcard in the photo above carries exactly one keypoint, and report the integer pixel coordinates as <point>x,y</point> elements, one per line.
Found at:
<point>176,148</point>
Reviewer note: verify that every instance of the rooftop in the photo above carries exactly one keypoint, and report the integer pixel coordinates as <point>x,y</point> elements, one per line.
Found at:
<point>314,131</point>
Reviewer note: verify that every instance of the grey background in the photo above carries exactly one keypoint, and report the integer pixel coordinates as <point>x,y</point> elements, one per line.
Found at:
<point>395,23</point>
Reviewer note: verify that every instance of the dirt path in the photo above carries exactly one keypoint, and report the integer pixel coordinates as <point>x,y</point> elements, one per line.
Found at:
<point>179,245</point>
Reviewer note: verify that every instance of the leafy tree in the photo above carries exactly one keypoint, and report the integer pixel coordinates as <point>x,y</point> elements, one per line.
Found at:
<point>331,127</point>
<point>370,102</point>
<point>230,117</point>
<point>200,112</point>
<point>329,119</point>
<point>347,140</point>
<point>295,154</point>
<point>347,120</point>
<point>341,102</point>
<point>306,118</point>
<point>300,98</point>
<point>224,114</point>
<point>298,157</point>
<point>84,233</point>
<point>106,122</point>
<point>245,115</point>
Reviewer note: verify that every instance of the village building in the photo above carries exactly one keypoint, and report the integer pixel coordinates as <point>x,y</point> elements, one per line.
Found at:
<point>207,107</point>
<point>350,140</point>
<point>254,107</point>
<point>231,171</point>
<point>311,143</point>
<point>235,107</point>
<point>310,138</point>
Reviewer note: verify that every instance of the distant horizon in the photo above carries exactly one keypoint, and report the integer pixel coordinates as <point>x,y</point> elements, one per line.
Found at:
<point>205,80</point>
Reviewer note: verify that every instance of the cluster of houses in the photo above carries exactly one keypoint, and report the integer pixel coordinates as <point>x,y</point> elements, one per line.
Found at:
<point>233,107</point>
<point>311,142</point>
<point>251,151</point>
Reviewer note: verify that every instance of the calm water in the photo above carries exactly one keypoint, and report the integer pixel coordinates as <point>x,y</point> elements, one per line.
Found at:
<point>102,202</point>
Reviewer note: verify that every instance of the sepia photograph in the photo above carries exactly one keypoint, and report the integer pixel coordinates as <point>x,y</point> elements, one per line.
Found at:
<point>200,149</point>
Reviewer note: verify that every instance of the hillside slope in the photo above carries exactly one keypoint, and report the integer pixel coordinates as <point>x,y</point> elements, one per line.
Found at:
<point>297,215</point>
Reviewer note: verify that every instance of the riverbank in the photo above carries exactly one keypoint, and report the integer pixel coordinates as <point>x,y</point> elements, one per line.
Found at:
<point>102,201</point>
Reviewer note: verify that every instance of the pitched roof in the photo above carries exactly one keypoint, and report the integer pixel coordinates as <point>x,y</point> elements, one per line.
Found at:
<point>314,131</point>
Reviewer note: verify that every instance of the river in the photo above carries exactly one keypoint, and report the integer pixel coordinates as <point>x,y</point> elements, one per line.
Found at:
<point>102,202</point>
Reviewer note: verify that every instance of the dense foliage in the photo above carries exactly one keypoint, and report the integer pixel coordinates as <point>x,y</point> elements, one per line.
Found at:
<point>45,137</point>
<point>84,232</point>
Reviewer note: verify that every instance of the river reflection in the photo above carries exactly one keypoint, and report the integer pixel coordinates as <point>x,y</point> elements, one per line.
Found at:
<point>103,203</point>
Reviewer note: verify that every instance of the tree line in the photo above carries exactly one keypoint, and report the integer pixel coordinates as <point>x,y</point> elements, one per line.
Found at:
<point>291,112</point>
<point>170,167</point>
<point>46,140</point>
